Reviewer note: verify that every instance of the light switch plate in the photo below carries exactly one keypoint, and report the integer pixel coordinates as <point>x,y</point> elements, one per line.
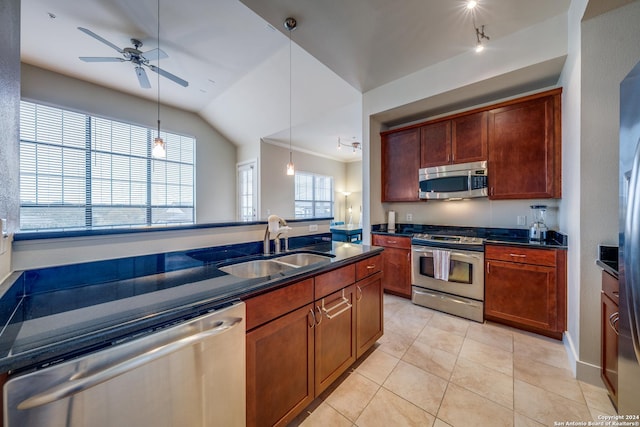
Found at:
<point>4,237</point>
<point>522,219</point>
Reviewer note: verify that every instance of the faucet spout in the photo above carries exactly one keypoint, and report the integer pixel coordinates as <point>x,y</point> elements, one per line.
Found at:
<point>266,250</point>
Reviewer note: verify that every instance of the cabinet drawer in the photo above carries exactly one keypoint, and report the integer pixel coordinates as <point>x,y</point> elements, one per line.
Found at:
<point>521,255</point>
<point>368,266</point>
<point>334,280</point>
<point>264,308</point>
<point>391,241</point>
<point>610,287</point>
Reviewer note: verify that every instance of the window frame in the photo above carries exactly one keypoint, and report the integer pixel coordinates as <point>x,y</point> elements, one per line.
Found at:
<point>314,201</point>
<point>91,151</point>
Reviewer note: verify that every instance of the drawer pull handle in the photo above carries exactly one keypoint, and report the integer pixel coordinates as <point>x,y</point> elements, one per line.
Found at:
<point>393,242</point>
<point>344,303</point>
<point>371,266</point>
<point>616,293</point>
<point>518,255</point>
<point>613,322</point>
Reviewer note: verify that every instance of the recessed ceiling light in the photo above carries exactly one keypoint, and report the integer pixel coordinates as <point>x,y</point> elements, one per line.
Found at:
<point>212,81</point>
<point>51,15</point>
<point>203,91</point>
<point>471,4</point>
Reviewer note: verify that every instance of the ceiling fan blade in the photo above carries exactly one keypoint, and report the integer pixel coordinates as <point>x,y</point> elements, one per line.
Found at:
<point>142,78</point>
<point>155,54</point>
<point>97,37</point>
<point>168,75</point>
<point>100,59</point>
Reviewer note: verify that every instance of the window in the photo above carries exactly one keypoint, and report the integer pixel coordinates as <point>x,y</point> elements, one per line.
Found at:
<point>78,170</point>
<point>247,191</point>
<point>313,195</point>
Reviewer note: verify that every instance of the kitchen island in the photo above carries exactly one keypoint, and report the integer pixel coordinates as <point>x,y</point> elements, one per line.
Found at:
<point>57,311</point>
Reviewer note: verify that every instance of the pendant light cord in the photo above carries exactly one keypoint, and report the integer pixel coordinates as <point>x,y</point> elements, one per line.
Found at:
<point>158,74</point>
<point>290,96</point>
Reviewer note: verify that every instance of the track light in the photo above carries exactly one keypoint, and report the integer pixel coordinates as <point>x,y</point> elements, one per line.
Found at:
<point>480,35</point>
<point>355,145</point>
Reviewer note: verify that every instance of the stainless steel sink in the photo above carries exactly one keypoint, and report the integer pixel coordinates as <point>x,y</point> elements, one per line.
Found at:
<point>303,259</point>
<point>256,268</point>
<point>269,267</point>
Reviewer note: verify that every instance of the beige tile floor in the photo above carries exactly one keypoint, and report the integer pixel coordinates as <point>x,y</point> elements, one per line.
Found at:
<point>433,369</point>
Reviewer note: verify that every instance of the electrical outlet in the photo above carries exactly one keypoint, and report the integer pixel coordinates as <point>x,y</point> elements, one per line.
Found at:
<point>313,227</point>
<point>409,217</point>
<point>521,220</point>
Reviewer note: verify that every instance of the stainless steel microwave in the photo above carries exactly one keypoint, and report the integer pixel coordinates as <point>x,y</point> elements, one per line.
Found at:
<point>450,182</point>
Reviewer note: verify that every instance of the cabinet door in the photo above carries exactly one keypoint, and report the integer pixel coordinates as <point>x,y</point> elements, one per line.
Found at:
<point>280,381</point>
<point>400,164</point>
<point>435,144</point>
<point>609,349</point>
<point>335,341</point>
<point>369,319</point>
<point>396,271</point>
<point>522,295</point>
<point>524,150</point>
<point>469,138</point>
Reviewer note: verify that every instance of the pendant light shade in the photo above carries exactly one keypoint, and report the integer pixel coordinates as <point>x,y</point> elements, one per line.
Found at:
<point>290,24</point>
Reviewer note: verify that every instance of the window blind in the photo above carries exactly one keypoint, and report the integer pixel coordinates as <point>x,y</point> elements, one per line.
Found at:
<point>313,195</point>
<point>82,171</point>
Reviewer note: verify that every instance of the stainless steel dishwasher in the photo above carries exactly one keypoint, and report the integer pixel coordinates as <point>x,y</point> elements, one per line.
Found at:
<point>189,374</point>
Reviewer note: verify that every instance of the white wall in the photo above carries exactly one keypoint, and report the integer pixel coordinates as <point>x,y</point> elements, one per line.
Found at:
<point>277,189</point>
<point>9,123</point>
<point>215,155</point>
<point>569,218</point>
<point>610,48</point>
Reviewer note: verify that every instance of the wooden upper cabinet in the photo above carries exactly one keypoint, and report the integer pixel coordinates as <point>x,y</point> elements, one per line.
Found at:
<point>461,139</point>
<point>469,138</point>
<point>400,164</point>
<point>525,149</point>
<point>435,144</point>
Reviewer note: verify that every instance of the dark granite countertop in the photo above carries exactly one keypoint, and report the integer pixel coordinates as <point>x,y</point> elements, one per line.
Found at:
<point>495,236</point>
<point>608,259</point>
<point>44,322</point>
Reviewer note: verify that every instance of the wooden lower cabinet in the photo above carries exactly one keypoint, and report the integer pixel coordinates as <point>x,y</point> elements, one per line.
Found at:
<point>335,343</point>
<point>526,288</point>
<point>396,263</point>
<point>369,314</point>
<point>280,357</point>
<point>609,331</point>
<point>303,336</point>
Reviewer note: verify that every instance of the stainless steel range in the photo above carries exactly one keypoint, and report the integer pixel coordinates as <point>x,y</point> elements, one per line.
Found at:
<point>448,274</point>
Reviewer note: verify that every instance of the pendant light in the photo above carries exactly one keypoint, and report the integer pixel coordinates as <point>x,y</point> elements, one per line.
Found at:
<point>290,24</point>
<point>159,149</point>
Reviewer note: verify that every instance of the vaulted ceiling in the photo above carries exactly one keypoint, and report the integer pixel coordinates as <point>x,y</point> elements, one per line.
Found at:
<point>235,54</point>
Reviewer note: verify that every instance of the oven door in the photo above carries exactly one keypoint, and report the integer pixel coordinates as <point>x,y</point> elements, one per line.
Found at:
<point>466,272</point>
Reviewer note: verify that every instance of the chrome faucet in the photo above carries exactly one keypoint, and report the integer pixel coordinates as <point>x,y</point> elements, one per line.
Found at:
<point>274,224</point>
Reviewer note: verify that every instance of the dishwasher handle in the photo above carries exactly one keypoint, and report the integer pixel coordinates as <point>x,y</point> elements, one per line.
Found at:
<point>78,383</point>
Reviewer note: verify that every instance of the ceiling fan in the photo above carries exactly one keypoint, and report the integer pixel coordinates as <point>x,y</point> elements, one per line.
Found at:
<point>137,57</point>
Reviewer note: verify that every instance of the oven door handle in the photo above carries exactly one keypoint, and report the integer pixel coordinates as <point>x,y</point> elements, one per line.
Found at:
<point>447,297</point>
<point>457,254</point>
